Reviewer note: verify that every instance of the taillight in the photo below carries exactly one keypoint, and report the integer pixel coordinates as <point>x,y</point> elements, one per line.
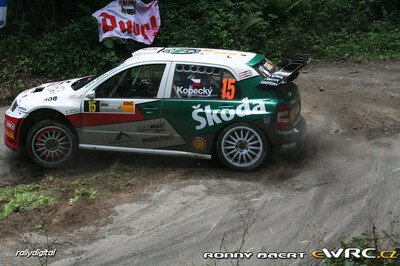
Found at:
<point>287,115</point>
<point>282,117</point>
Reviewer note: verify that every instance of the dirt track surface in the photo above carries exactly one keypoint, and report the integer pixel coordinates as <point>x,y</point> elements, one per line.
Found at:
<point>347,179</point>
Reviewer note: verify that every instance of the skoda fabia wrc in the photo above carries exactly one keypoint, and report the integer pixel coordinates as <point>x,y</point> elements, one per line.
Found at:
<point>202,103</point>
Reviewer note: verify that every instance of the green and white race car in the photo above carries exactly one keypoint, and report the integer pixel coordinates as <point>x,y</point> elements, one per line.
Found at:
<point>202,103</point>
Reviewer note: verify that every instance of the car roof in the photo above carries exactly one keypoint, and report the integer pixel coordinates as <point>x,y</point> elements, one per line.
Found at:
<point>241,63</point>
<point>196,55</point>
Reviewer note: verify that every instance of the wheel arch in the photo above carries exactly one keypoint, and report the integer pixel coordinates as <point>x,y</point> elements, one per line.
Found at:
<point>39,115</point>
<point>215,139</point>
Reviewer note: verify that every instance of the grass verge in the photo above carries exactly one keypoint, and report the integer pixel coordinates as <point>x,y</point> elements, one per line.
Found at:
<point>22,197</point>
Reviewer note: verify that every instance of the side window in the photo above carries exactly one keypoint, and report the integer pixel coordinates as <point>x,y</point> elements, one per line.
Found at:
<point>137,82</point>
<point>194,81</point>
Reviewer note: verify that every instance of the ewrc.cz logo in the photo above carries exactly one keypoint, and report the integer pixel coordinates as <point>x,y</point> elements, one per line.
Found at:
<point>214,117</point>
<point>348,253</point>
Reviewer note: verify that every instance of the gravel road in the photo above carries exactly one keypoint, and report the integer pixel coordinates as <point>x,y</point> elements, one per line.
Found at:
<point>346,181</point>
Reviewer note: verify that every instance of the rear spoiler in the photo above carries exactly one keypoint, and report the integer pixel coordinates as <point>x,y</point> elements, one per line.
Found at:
<point>288,70</point>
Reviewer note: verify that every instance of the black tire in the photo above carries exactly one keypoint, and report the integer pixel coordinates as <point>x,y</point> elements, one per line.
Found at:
<point>242,147</point>
<point>51,143</point>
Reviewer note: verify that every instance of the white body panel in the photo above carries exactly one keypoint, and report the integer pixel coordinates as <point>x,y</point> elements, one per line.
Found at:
<point>69,102</point>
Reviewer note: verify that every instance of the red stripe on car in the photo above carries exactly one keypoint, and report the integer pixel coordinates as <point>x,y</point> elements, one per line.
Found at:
<point>100,119</point>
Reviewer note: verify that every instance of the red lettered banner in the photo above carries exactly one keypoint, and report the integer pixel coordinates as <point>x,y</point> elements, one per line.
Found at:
<point>142,26</point>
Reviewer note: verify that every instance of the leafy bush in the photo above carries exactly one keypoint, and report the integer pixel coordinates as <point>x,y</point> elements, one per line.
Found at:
<point>22,197</point>
<point>60,39</point>
<point>83,192</point>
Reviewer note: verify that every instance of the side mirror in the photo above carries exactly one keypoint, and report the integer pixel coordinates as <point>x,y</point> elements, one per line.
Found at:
<point>91,94</point>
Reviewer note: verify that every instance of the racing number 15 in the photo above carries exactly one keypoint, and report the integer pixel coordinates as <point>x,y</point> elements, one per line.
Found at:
<point>92,106</point>
<point>228,89</point>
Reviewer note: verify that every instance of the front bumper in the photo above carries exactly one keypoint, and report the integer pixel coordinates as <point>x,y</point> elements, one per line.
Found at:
<point>289,143</point>
<point>12,129</point>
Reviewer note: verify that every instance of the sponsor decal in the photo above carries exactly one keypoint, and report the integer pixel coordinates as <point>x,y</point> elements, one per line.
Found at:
<point>158,138</point>
<point>289,146</point>
<point>245,74</point>
<point>9,133</point>
<point>274,80</point>
<point>49,99</point>
<point>109,106</point>
<point>181,51</point>
<point>228,89</point>
<point>348,253</point>
<point>122,138</point>
<point>269,65</point>
<point>10,125</point>
<point>91,106</point>
<point>72,111</point>
<point>128,107</point>
<point>151,48</point>
<point>199,144</point>
<point>152,128</point>
<point>23,109</point>
<point>191,91</point>
<point>220,52</point>
<point>208,117</point>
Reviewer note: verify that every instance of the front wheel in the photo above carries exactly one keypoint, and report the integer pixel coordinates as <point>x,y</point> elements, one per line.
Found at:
<point>50,143</point>
<point>242,147</point>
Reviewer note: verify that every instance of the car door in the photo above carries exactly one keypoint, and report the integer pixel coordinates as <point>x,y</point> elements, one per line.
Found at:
<point>200,92</point>
<point>124,110</point>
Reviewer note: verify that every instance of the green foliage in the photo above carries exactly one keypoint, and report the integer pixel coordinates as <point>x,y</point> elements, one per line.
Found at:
<point>72,51</point>
<point>83,192</point>
<point>59,39</point>
<point>22,197</point>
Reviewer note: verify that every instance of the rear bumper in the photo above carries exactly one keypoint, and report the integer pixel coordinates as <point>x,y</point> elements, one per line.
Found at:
<point>289,143</point>
<point>12,128</point>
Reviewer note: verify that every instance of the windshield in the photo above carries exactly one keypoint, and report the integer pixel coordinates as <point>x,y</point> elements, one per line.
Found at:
<point>82,82</point>
<point>265,68</point>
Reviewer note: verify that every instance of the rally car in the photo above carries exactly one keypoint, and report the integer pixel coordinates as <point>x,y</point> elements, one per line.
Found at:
<point>202,103</point>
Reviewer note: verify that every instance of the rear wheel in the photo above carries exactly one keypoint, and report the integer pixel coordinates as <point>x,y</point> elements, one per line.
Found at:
<point>242,147</point>
<point>50,143</point>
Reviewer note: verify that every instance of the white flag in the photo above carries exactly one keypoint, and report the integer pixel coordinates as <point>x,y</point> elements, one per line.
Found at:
<point>3,13</point>
<point>142,26</point>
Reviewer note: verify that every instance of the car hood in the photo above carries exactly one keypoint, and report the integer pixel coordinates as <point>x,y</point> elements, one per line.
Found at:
<point>49,94</point>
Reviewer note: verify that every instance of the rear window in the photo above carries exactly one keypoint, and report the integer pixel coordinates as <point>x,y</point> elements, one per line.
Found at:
<point>265,68</point>
<point>198,81</point>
